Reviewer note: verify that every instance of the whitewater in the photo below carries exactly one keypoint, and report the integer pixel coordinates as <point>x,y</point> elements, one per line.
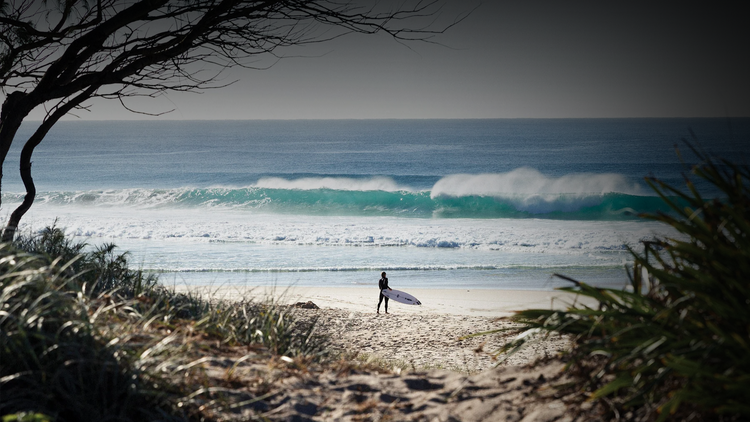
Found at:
<point>449,204</point>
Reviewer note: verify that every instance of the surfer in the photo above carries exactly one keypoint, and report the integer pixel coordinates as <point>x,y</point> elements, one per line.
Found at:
<point>383,284</point>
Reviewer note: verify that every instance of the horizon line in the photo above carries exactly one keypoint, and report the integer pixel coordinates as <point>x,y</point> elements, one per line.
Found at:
<point>394,118</point>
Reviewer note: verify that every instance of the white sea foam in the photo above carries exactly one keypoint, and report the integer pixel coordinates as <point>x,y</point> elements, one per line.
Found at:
<point>206,237</point>
<point>203,245</point>
<point>528,184</point>
<point>336,183</point>
<point>511,235</point>
<point>114,197</point>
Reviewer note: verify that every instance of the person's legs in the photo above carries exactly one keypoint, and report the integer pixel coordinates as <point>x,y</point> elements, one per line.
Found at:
<point>381,301</point>
<point>386,303</point>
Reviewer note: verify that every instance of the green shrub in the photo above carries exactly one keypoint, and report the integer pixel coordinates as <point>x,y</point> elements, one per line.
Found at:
<point>241,322</point>
<point>26,417</point>
<point>52,359</point>
<point>101,268</point>
<point>83,337</point>
<point>235,322</point>
<point>677,341</point>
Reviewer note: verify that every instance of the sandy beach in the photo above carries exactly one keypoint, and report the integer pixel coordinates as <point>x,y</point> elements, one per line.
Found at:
<point>410,337</point>
<point>410,364</point>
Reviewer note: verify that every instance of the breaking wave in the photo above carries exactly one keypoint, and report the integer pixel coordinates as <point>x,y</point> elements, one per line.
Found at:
<point>522,193</point>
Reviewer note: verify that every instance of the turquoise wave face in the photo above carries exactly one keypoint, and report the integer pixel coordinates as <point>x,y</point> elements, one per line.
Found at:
<point>609,206</point>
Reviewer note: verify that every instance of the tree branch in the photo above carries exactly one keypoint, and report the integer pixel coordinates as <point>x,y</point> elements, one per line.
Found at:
<point>67,51</point>
<point>25,162</point>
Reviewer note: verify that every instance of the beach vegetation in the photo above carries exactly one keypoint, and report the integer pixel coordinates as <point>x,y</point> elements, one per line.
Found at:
<point>85,337</point>
<point>675,343</point>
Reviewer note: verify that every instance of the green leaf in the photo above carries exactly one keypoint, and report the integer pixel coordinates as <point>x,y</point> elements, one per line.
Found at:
<point>620,382</point>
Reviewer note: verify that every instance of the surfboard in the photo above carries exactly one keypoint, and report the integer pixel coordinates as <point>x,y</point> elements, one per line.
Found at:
<point>400,296</point>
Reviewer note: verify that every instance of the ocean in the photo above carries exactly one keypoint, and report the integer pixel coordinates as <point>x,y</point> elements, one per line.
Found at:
<point>473,204</point>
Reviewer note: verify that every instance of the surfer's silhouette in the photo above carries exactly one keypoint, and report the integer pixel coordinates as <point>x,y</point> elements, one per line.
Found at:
<point>383,284</point>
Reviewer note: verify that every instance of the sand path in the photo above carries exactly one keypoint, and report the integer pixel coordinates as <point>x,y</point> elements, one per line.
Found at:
<point>417,366</point>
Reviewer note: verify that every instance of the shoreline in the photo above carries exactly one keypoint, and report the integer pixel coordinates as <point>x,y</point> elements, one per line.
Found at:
<point>494,303</point>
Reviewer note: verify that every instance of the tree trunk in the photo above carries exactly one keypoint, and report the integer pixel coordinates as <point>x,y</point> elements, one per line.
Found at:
<point>28,151</point>
<point>15,217</point>
<point>15,109</point>
<point>25,169</point>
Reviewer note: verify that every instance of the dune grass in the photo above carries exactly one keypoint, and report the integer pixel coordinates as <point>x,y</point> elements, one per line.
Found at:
<point>676,342</point>
<point>84,337</point>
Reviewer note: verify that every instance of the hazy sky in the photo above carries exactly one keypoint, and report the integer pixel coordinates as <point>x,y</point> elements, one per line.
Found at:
<point>506,60</point>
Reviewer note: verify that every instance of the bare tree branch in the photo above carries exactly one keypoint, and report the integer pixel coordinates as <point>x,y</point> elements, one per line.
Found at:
<point>64,52</point>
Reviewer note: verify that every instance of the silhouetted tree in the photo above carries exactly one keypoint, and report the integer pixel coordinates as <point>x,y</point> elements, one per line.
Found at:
<point>59,53</point>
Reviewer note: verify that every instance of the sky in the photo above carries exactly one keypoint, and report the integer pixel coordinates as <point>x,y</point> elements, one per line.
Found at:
<point>506,59</point>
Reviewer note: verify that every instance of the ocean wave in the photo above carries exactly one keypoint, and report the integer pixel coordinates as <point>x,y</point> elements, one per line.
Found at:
<point>522,193</point>
<point>528,182</point>
<point>368,269</point>
<point>385,184</point>
<point>347,235</point>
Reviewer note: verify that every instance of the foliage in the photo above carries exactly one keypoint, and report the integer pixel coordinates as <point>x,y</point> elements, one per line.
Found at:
<point>83,337</point>
<point>677,341</point>
<point>240,321</point>
<point>53,359</point>
<point>26,417</point>
<point>101,269</point>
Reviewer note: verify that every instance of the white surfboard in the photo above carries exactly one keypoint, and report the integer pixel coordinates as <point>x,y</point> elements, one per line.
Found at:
<point>400,296</point>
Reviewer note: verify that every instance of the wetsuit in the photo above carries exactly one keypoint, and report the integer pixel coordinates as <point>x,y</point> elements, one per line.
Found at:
<point>383,284</point>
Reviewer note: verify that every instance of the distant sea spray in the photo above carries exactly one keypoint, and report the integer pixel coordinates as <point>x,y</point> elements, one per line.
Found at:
<point>521,193</point>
